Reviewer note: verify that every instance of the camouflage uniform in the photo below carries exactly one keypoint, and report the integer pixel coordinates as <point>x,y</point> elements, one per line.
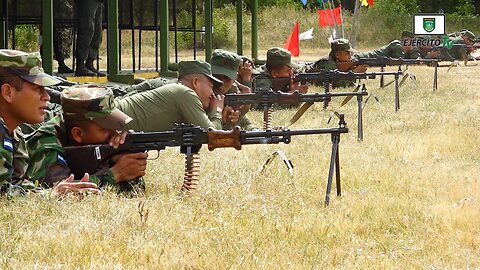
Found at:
<point>62,37</point>
<point>13,152</point>
<point>48,163</point>
<point>159,109</point>
<point>276,57</point>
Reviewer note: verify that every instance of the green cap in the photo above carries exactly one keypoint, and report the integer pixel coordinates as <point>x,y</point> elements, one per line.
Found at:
<point>341,44</point>
<point>93,103</point>
<point>469,34</point>
<point>27,66</point>
<point>407,34</point>
<point>278,56</point>
<point>197,67</point>
<point>225,63</point>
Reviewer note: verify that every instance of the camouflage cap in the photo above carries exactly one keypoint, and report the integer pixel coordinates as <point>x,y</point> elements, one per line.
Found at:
<point>27,66</point>
<point>407,34</point>
<point>341,44</point>
<point>225,63</point>
<point>278,56</point>
<point>469,34</point>
<point>197,67</point>
<point>93,103</point>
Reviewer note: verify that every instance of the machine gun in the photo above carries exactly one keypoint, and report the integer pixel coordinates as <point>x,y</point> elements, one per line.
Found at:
<point>190,138</point>
<point>327,77</point>
<point>265,100</point>
<point>387,61</point>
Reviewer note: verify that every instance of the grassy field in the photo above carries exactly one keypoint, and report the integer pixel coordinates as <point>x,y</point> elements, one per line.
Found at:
<point>410,198</point>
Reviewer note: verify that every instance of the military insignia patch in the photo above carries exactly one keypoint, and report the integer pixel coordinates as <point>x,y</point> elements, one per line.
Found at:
<point>61,159</point>
<point>8,144</point>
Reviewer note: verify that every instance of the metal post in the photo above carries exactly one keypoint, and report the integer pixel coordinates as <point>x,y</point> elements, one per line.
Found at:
<point>435,76</point>
<point>239,27</point>
<point>208,29</point>
<point>47,36</point>
<point>360,118</point>
<point>113,53</point>
<point>164,55</point>
<point>333,161</point>
<point>5,26</point>
<point>397,94</point>
<point>254,29</point>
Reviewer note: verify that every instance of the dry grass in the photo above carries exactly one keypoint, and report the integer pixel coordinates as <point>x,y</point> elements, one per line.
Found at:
<point>410,199</point>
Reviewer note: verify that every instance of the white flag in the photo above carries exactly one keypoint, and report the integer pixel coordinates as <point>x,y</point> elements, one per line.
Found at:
<point>333,36</point>
<point>306,35</point>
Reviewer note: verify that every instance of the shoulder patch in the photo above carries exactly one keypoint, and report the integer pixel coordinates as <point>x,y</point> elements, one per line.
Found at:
<point>61,159</point>
<point>8,144</point>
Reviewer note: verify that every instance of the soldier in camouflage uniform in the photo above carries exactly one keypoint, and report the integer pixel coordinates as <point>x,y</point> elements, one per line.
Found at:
<point>62,36</point>
<point>459,50</point>
<point>279,65</point>
<point>89,117</point>
<point>341,51</point>
<point>394,49</point>
<point>191,101</point>
<point>225,67</point>
<point>89,37</point>
<point>23,99</point>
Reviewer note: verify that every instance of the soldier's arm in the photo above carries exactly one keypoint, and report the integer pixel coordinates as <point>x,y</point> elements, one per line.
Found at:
<point>193,113</point>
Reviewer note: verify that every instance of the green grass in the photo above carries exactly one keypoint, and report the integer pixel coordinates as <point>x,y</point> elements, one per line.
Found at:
<point>410,198</point>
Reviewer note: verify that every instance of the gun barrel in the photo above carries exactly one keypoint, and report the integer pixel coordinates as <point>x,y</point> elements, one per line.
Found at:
<point>276,136</point>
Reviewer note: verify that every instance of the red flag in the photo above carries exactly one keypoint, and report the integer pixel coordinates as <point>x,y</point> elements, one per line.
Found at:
<point>325,16</point>
<point>370,3</point>
<point>293,44</point>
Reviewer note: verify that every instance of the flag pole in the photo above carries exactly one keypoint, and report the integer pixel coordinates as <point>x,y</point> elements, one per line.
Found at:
<point>356,14</point>
<point>328,20</point>
<point>333,18</point>
<point>341,18</point>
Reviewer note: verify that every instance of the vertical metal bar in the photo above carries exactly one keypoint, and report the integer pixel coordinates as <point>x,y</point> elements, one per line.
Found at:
<point>6,25</point>
<point>194,26</point>
<point>3,25</point>
<point>337,167</point>
<point>397,94</point>
<point>14,23</point>
<point>239,27</point>
<point>382,79</point>
<point>360,118</point>
<point>164,56</point>
<point>175,31</point>
<point>254,29</point>
<point>119,49</point>
<point>435,76</point>
<point>112,38</point>
<point>155,18</point>
<point>333,159</point>
<point>208,29</point>
<point>140,47</point>
<point>47,36</point>
<point>132,26</point>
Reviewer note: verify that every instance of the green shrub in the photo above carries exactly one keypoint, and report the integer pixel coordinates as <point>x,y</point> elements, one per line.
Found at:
<point>26,38</point>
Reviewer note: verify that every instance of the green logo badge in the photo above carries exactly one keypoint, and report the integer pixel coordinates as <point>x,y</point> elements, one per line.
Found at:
<point>429,24</point>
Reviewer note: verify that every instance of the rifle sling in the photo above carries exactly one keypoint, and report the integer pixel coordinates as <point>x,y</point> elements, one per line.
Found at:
<point>305,106</point>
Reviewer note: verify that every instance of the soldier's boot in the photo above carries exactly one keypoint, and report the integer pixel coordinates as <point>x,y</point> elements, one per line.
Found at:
<point>82,70</point>
<point>90,67</point>
<point>63,68</point>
